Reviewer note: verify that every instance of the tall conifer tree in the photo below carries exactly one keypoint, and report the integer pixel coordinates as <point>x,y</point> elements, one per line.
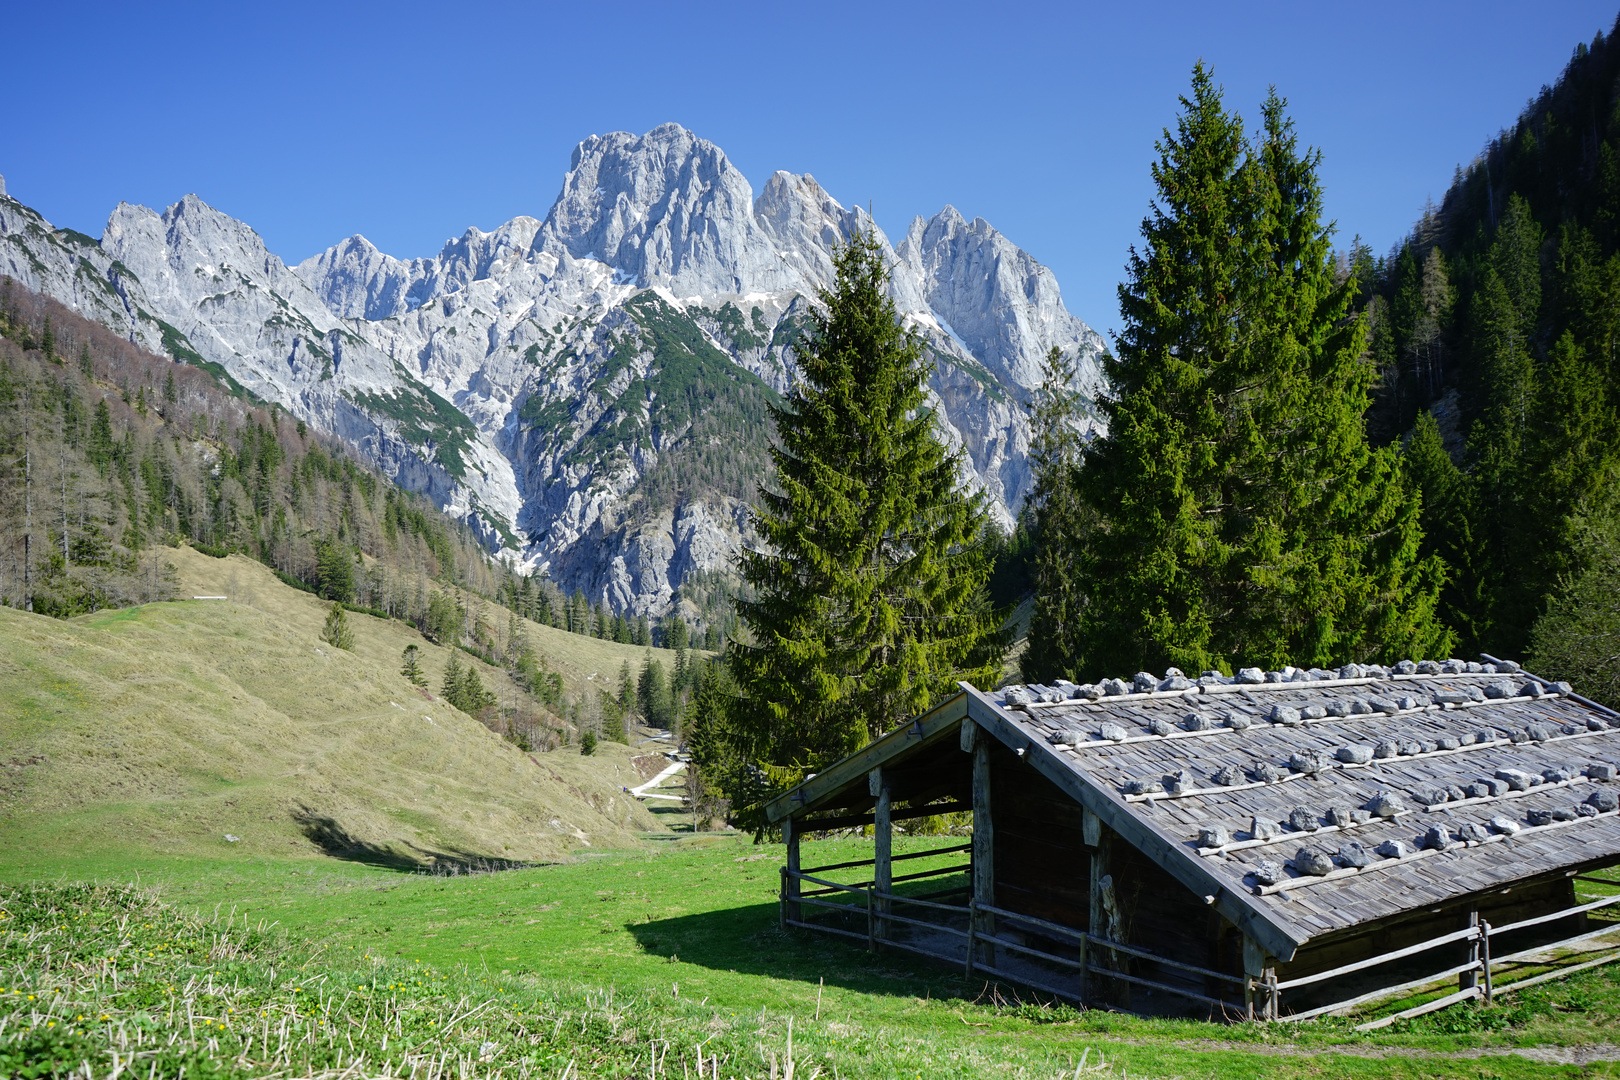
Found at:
<point>1058,523</point>
<point>1451,529</point>
<point>870,597</point>
<point>1245,520</point>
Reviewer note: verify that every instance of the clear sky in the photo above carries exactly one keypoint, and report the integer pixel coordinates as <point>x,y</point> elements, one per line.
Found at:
<point>409,122</point>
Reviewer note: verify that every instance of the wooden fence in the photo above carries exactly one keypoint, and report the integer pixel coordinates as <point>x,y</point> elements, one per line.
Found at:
<point>1261,997</point>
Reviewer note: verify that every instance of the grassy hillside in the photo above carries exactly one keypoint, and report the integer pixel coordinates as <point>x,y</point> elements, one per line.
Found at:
<point>162,728</point>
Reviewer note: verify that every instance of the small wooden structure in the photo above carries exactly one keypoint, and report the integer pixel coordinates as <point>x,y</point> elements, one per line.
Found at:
<point>1279,845</point>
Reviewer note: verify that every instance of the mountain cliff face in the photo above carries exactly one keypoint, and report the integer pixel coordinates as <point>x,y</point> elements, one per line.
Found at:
<point>589,390</point>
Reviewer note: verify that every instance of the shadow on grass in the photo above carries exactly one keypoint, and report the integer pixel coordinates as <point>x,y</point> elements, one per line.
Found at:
<point>325,833</point>
<point>748,940</point>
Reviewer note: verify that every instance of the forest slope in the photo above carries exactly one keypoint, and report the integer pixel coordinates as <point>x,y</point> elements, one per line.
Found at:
<point>167,726</point>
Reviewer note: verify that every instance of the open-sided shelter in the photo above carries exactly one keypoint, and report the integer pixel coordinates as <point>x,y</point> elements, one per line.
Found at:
<point>1275,845</point>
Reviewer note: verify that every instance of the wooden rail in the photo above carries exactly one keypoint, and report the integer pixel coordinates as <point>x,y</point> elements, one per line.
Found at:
<point>892,858</point>
<point>1482,933</point>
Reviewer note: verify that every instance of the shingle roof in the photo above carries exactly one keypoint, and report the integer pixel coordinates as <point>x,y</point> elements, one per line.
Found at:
<point>1452,778</point>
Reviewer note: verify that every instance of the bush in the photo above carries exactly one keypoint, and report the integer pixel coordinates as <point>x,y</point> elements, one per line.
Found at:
<point>587,743</point>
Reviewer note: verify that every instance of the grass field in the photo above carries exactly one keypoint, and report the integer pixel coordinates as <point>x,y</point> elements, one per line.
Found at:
<point>597,960</point>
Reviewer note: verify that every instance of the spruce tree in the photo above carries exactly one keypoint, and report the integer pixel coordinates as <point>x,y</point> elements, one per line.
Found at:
<point>1452,527</point>
<point>1058,523</point>
<point>450,688</point>
<point>869,593</point>
<point>471,697</point>
<point>337,632</point>
<point>412,667</point>
<point>1243,517</point>
<point>334,571</point>
<point>1575,639</point>
<point>627,692</point>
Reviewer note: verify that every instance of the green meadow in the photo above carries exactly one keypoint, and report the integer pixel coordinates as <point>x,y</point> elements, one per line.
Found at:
<point>245,966</point>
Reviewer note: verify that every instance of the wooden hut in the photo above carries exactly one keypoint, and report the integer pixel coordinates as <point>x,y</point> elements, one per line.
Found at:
<point>1277,845</point>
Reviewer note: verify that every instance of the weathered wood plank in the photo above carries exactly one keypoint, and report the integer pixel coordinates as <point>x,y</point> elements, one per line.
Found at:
<point>984,851</point>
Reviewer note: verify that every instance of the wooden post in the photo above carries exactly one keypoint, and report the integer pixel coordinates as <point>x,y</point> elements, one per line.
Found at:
<point>1485,955</point>
<point>790,873</point>
<point>1091,836</point>
<point>984,847</point>
<point>1256,971</point>
<point>1469,980</point>
<point>882,851</point>
<point>1102,899</point>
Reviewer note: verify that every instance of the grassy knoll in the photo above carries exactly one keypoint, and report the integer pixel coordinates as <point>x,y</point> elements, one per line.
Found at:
<point>163,728</point>
<point>596,960</point>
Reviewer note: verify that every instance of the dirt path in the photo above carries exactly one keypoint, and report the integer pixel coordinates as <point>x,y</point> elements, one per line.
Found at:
<point>1546,1055</point>
<point>643,792</point>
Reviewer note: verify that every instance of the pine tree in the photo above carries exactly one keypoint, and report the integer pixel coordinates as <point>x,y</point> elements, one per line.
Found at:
<point>450,688</point>
<point>471,697</point>
<point>627,692</point>
<point>412,667</point>
<point>1058,525</point>
<point>1575,639</point>
<point>613,719</point>
<point>337,631</point>
<point>869,593</point>
<point>1571,456</point>
<point>652,694</point>
<point>334,571</point>
<point>1244,519</point>
<point>100,449</point>
<point>1452,526</point>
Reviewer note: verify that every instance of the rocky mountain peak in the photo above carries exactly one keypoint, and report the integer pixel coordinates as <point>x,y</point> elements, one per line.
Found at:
<point>665,207</point>
<point>992,296</point>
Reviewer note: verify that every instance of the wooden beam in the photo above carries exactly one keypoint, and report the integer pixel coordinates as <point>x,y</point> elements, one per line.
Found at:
<point>941,720</point>
<point>882,848</point>
<point>790,879</point>
<point>1238,907</point>
<point>852,821</point>
<point>984,851</point>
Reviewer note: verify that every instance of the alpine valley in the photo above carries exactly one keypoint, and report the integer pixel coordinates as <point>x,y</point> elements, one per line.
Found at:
<point>589,392</point>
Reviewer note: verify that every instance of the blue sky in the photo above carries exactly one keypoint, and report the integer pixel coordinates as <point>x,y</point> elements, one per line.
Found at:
<point>409,122</point>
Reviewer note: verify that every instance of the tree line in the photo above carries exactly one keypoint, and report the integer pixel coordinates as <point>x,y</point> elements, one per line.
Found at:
<point>1495,327</point>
